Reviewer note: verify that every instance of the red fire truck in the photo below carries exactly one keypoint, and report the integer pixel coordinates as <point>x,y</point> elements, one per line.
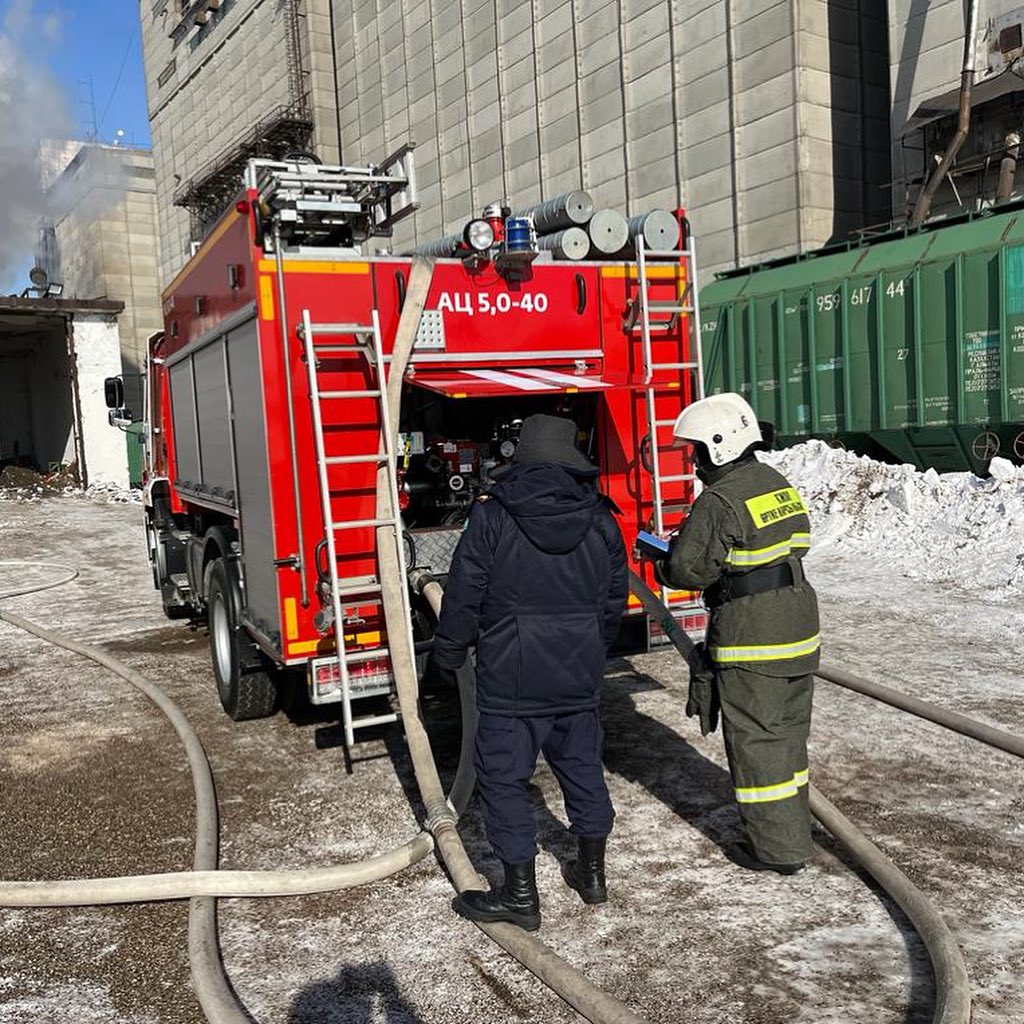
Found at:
<point>265,406</point>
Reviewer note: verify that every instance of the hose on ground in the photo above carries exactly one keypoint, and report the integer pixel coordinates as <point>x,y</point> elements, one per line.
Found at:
<point>952,986</point>
<point>178,885</point>
<point>213,990</point>
<point>998,738</point>
<point>202,882</point>
<point>556,973</point>
<point>69,571</point>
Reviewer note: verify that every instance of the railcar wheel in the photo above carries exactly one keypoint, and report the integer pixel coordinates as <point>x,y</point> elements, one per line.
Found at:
<point>985,446</point>
<point>1018,446</point>
<point>245,688</point>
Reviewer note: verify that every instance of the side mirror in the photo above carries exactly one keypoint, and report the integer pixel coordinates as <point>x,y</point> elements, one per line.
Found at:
<point>120,417</point>
<point>113,392</point>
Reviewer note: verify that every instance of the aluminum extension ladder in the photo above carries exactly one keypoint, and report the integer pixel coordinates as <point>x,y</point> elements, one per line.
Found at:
<point>686,303</point>
<point>367,340</point>
<point>669,313</point>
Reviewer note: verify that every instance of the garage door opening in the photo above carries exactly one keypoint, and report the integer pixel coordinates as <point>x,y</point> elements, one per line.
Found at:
<point>54,356</point>
<point>36,414</point>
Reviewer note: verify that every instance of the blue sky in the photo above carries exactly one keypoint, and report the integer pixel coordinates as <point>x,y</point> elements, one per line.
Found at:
<point>83,41</point>
<point>71,69</point>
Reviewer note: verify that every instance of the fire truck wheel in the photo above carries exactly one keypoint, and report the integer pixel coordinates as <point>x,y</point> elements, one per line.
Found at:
<point>245,688</point>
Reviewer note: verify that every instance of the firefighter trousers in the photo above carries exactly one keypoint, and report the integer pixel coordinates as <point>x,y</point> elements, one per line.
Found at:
<point>505,759</point>
<point>766,721</point>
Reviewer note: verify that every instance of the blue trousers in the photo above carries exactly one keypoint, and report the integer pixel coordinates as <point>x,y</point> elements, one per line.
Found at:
<point>505,758</point>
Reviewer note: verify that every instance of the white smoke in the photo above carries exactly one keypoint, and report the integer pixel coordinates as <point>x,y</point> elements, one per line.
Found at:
<point>32,107</point>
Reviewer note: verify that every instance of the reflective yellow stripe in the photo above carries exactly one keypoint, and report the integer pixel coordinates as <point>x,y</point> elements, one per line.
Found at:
<point>773,507</point>
<point>291,618</point>
<point>769,794</point>
<point>762,556</point>
<point>766,652</point>
<point>317,266</point>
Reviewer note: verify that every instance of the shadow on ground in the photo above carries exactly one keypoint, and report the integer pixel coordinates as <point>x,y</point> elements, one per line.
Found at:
<point>357,994</point>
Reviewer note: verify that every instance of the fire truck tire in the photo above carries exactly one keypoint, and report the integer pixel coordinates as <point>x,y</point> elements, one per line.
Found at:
<point>245,688</point>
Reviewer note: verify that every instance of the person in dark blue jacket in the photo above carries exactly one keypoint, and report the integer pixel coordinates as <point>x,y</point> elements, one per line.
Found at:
<point>538,583</point>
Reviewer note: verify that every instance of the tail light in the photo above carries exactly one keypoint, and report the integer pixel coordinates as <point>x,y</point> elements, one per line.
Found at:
<point>367,677</point>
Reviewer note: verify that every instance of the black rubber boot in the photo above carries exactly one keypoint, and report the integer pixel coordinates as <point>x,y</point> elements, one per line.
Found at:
<point>586,873</point>
<point>516,902</point>
<point>743,855</point>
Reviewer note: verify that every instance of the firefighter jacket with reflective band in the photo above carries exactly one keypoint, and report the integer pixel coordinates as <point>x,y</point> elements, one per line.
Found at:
<point>749,517</point>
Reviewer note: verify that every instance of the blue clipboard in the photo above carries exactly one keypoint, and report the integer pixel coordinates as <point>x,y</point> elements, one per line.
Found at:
<point>653,547</point>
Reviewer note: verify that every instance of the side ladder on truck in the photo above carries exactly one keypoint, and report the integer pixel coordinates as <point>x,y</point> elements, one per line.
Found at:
<point>365,339</point>
<point>670,314</point>
<point>667,322</point>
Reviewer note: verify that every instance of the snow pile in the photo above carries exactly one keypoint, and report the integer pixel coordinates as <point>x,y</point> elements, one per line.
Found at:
<point>953,527</point>
<point>40,490</point>
<point>112,492</point>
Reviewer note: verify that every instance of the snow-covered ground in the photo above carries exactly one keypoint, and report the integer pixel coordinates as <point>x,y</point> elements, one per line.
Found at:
<point>953,528</point>
<point>920,587</point>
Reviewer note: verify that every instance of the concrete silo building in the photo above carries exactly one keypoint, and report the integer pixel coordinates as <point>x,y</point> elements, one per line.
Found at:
<point>768,121</point>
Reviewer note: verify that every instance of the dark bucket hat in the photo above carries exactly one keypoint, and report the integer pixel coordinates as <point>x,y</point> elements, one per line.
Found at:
<point>552,439</point>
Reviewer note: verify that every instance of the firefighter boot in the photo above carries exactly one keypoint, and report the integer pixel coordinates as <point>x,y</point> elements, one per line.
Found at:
<point>586,873</point>
<point>516,902</point>
<point>742,854</point>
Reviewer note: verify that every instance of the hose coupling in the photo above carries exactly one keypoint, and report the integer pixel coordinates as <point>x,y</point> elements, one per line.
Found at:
<point>439,818</point>
<point>420,579</point>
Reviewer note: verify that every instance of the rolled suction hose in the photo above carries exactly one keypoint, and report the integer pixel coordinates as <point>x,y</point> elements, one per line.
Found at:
<point>952,985</point>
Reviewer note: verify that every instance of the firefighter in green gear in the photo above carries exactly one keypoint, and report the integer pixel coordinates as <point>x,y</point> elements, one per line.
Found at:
<point>743,545</point>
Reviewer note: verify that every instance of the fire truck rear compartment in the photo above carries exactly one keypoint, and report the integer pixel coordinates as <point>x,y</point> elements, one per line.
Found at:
<point>451,448</point>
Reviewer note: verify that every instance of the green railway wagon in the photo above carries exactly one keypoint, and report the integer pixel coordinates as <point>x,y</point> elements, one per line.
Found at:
<point>907,347</point>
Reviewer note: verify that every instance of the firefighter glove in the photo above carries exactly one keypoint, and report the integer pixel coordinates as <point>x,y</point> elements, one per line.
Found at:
<point>703,701</point>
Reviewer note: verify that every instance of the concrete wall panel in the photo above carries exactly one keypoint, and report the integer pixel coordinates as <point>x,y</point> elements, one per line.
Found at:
<point>634,99</point>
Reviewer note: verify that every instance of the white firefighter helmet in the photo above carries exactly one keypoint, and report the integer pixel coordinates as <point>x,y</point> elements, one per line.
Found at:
<point>724,424</point>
